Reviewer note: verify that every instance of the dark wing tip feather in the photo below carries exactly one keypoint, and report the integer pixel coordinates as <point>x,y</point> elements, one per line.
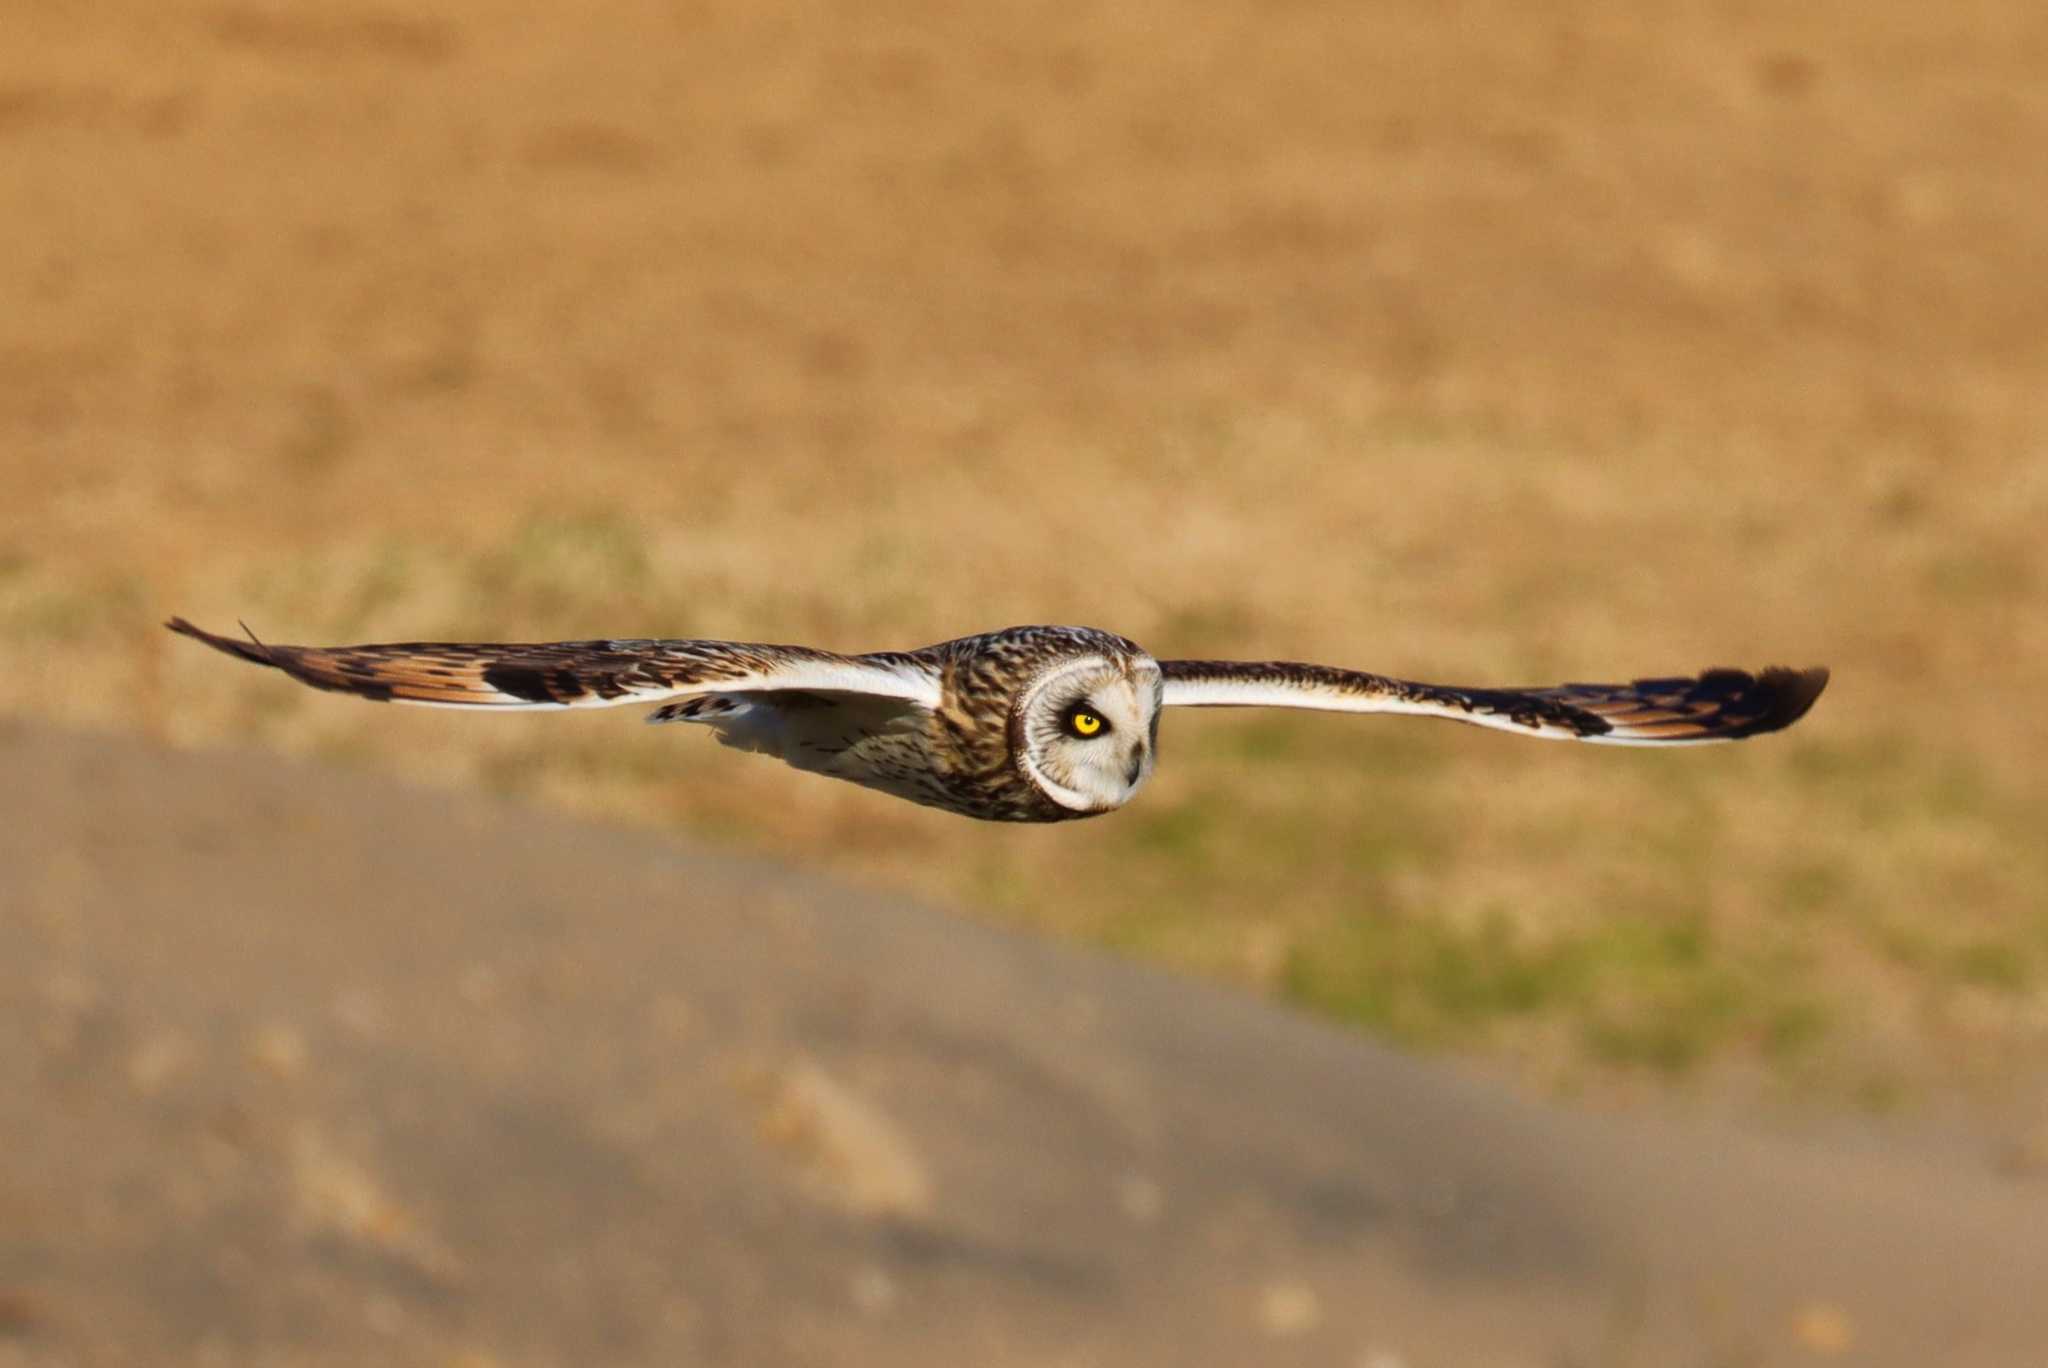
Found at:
<point>1791,693</point>
<point>1717,705</point>
<point>250,650</point>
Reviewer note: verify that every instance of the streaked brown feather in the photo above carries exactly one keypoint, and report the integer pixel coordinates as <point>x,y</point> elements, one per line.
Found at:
<point>516,674</point>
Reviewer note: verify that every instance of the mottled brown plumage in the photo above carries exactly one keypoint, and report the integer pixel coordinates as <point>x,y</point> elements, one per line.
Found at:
<point>1030,724</point>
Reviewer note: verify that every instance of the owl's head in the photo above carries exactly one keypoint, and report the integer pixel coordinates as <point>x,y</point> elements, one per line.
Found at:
<point>1086,731</point>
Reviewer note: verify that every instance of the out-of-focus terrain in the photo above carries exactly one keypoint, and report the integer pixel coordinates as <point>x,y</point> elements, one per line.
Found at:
<point>1484,342</point>
<point>312,1068</point>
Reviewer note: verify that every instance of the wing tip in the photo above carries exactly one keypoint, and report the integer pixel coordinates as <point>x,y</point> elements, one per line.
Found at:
<point>1792,694</point>
<point>1720,704</point>
<point>251,650</point>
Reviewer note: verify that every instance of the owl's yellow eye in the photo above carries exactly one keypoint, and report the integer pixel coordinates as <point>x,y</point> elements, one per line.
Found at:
<point>1083,723</point>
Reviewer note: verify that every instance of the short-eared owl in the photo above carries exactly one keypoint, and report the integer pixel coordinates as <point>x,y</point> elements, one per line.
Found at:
<point>1030,724</point>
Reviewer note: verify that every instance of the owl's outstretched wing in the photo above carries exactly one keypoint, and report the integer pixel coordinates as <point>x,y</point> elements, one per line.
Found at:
<point>1717,705</point>
<point>578,674</point>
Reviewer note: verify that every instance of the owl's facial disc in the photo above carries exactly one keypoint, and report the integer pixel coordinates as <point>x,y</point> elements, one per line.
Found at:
<point>1090,731</point>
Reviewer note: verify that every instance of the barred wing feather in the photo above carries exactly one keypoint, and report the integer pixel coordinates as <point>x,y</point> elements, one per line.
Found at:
<point>1715,705</point>
<point>578,674</point>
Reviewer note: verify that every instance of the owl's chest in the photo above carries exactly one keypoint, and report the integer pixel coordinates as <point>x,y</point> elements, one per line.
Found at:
<point>939,764</point>
<point>955,757</point>
<point>924,757</point>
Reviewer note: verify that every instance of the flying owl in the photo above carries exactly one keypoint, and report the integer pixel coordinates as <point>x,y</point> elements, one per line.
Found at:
<point>1029,724</point>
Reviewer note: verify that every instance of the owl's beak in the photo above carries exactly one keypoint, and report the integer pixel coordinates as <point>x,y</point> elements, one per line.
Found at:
<point>1136,769</point>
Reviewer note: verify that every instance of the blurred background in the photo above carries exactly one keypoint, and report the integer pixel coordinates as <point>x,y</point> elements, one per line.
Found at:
<point>1478,342</point>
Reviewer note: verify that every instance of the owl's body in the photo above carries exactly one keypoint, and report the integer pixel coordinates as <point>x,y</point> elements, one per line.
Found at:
<point>1029,724</point>
<point>962,754</point>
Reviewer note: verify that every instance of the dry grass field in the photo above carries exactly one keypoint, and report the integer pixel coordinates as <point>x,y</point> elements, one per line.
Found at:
<point>1481,342</point>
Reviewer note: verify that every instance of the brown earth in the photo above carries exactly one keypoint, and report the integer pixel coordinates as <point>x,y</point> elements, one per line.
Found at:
<point>312,1068</point>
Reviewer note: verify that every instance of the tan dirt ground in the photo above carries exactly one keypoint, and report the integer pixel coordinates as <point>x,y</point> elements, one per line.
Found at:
<point>309,1068</point>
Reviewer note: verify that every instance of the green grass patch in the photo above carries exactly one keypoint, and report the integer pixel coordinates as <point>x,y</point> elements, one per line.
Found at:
<point>555,566</point>
<point>1423,982</point>
<point>52,610</point>
<point>1999,966</point>
<point>1657,994</point>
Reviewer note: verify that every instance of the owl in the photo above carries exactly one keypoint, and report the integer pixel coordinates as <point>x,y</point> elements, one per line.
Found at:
<point>1029,724</point>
